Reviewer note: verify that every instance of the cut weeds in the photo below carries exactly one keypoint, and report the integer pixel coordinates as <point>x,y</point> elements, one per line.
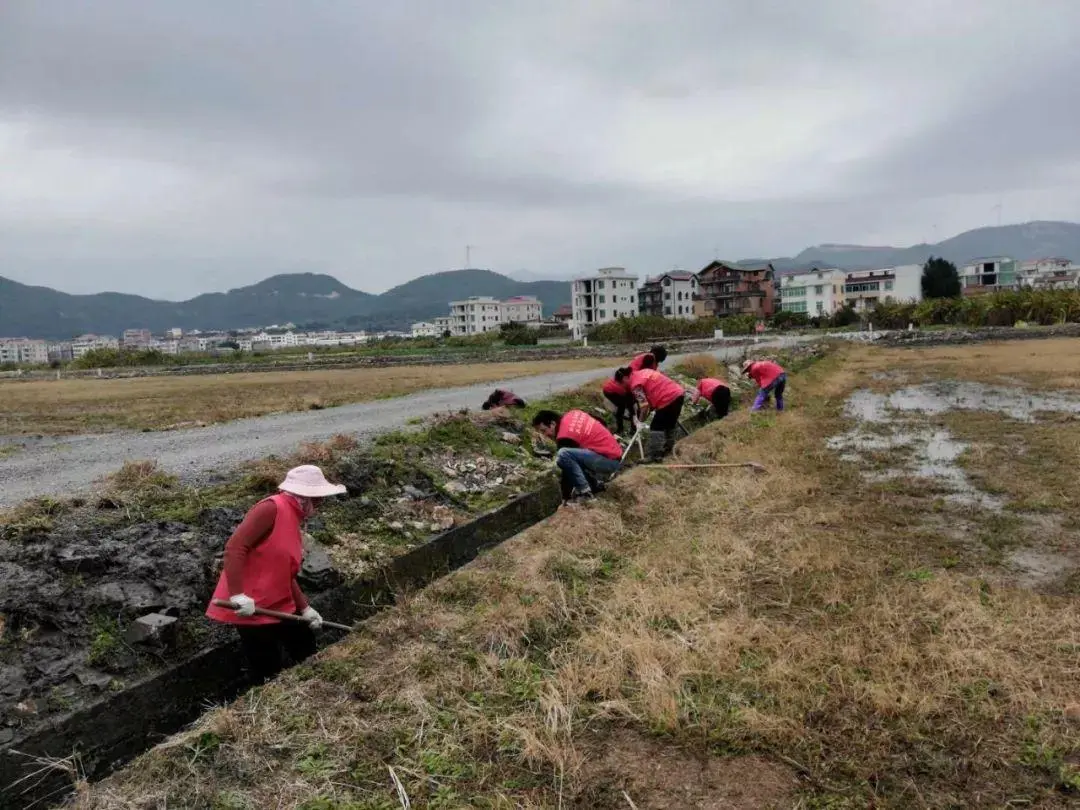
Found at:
<point>693,639</point>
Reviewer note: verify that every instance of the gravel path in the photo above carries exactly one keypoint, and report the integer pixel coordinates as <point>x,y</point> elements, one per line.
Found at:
<point>68,465</point>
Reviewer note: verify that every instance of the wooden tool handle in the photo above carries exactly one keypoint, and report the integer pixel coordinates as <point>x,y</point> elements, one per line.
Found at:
<point>277,614</point>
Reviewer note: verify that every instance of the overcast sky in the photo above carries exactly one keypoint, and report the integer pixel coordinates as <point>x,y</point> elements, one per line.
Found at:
<point>171,148</point>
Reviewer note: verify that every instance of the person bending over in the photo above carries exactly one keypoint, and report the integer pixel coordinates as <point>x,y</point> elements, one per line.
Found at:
<point>715,391</point>
<point>587,451</point>
<point>657,353</point>
<point>664,397</point>
<point>503,399</point>
<point>771,379</point>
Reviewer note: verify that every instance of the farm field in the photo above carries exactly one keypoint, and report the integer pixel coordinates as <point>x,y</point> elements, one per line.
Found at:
<point>75,406</point>
<point>888,617</point>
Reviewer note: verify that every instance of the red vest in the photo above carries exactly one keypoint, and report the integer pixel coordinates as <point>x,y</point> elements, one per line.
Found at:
<point>660,391</point>
<point>617,389</point>
<point>638,362</point>
<point>589,434</point>
<point>269,569</point>
<point>707,387</point>
<point>765,372</point>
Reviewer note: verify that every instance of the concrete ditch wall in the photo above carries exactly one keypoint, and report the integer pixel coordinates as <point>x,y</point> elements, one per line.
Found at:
<point>107,734</point>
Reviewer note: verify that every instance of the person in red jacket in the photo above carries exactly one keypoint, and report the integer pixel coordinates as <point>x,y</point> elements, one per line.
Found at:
<point>618,400</point>
<point>262,559</point>
<point>771,379</point>
<point>663,396</point>
<point>716,391</point>
<point>503,399</point>
<point>587,453</point>
<point>657,353</point>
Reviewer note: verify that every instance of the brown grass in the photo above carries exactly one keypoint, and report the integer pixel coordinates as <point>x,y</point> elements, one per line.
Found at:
<point>807,633</point>
<point>59,407</point>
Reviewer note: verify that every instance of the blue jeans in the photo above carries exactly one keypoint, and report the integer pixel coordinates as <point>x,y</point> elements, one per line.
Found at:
<point>578,464</point>
<point>775,387</point>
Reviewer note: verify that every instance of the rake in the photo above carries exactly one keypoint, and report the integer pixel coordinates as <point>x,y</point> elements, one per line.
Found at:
<point>750,465</point>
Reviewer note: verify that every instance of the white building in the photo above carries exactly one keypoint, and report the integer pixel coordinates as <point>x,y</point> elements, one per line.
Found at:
<point>174,334</point>
<point>607,295</point>
<point>522,309</point>
<point>23,351</point>
<point>475,315</point>
<point>444,325</point>
<point>670,295</point>
<point>424,329</point>
<point>1052,274</point>
<point>863,289</point>
<point>818,293</point>
<point>86,343</point>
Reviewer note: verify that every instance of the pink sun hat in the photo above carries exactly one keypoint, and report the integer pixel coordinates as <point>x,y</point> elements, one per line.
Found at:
<point>308,481</point>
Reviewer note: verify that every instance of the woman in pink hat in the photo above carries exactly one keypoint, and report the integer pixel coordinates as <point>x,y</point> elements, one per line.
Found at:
<point>262,559</point>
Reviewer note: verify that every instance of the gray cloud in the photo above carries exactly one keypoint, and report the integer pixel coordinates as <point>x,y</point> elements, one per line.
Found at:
<point>170,148</point>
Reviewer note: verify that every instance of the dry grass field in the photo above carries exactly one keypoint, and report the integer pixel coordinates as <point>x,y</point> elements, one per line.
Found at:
<point>64,407</point>
<point>832,634</point>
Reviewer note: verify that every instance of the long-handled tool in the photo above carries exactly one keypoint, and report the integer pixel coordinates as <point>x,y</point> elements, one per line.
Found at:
<point>635,440</point>
<point>291,617</point>
<point>750,465</point>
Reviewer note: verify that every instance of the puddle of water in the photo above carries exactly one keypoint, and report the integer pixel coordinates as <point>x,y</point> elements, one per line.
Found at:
<point>883,424</point>
<point>1016,403</point>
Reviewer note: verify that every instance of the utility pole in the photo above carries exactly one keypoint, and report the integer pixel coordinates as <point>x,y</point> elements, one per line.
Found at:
<point>468,256</point>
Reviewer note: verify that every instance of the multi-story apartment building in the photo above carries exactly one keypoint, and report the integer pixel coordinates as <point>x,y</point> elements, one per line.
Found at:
<point>23,352</point>
<point>475,315</point>
<point>1049,274</point>
<point>727,289</point>
<point>522,309</point>
<point>482,313</point>
<point>989,275</point>
<point>444,325</point>
<point>818,293</point>
<point>863,289</point>
<point>86,343</point>
<point>607,295</point>
<point>670,295</point>
<point>424,329</point>
<point>136,338</point>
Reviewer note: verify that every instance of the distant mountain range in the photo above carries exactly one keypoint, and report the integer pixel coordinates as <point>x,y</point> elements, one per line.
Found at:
<point>1028,241</point>
<point>308,299</point>
<point>321,301</point>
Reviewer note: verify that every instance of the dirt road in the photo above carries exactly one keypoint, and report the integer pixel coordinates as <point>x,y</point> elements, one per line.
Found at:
<point>69,465</point>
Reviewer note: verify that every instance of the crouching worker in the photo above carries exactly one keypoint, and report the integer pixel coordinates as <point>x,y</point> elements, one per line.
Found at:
<point>656,392</point>
<point>503,399</point>
<point>619,401</point>
<point>587,453</point>
<point>771,380</point>
<point>262,560</point>
<point>715,391</point>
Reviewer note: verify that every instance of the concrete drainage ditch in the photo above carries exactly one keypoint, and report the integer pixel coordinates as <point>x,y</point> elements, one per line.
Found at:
<point>37,770</point>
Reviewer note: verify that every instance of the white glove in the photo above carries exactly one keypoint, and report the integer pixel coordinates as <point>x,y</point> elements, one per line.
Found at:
<point>312,617</point>
<point>244,604</point>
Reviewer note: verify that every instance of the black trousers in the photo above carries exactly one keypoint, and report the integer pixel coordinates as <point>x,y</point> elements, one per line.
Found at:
<point>624,407</point>
<point>667,418</point>
<point>721,400</point>
<point>267,645</point>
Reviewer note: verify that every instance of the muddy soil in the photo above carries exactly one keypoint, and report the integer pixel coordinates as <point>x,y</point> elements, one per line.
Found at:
<point>892,438</point>
<point>70,591</point>
<point>887,422</point>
